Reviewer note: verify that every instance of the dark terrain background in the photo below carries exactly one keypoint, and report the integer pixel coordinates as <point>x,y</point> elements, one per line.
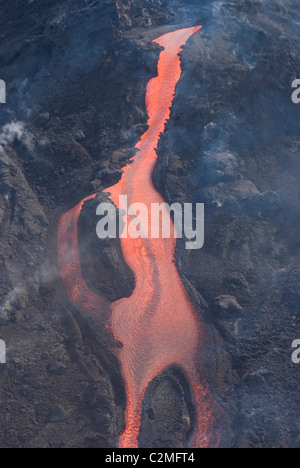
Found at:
<point>76,75</point>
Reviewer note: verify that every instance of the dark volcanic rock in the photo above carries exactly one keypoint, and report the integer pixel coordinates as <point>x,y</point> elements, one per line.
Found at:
<point>76,75</point>
<point>227,305</point>
<point>102,263</point>
<point>168,417</point>
<point>234,130</point>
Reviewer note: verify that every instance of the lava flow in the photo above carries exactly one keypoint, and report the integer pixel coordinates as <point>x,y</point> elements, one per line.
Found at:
<point>157,325</point>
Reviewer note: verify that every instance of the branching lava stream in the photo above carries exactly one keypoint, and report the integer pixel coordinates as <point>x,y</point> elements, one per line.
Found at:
<point>157,325</point>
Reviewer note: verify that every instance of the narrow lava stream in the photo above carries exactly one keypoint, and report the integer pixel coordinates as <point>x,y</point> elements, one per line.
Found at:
<point>157,325</point>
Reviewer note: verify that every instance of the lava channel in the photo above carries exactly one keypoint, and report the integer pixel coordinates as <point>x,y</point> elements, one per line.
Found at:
<point>157,325</point>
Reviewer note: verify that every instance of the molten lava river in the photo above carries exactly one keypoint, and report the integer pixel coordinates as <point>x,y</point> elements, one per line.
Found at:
<point>157,325</point>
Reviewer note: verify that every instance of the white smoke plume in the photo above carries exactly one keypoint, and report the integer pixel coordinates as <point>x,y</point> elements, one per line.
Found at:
<point>15,130</point>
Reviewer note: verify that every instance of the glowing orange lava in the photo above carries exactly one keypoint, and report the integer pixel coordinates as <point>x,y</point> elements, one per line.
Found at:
<point>157,325</point>
<point>69,261</point>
